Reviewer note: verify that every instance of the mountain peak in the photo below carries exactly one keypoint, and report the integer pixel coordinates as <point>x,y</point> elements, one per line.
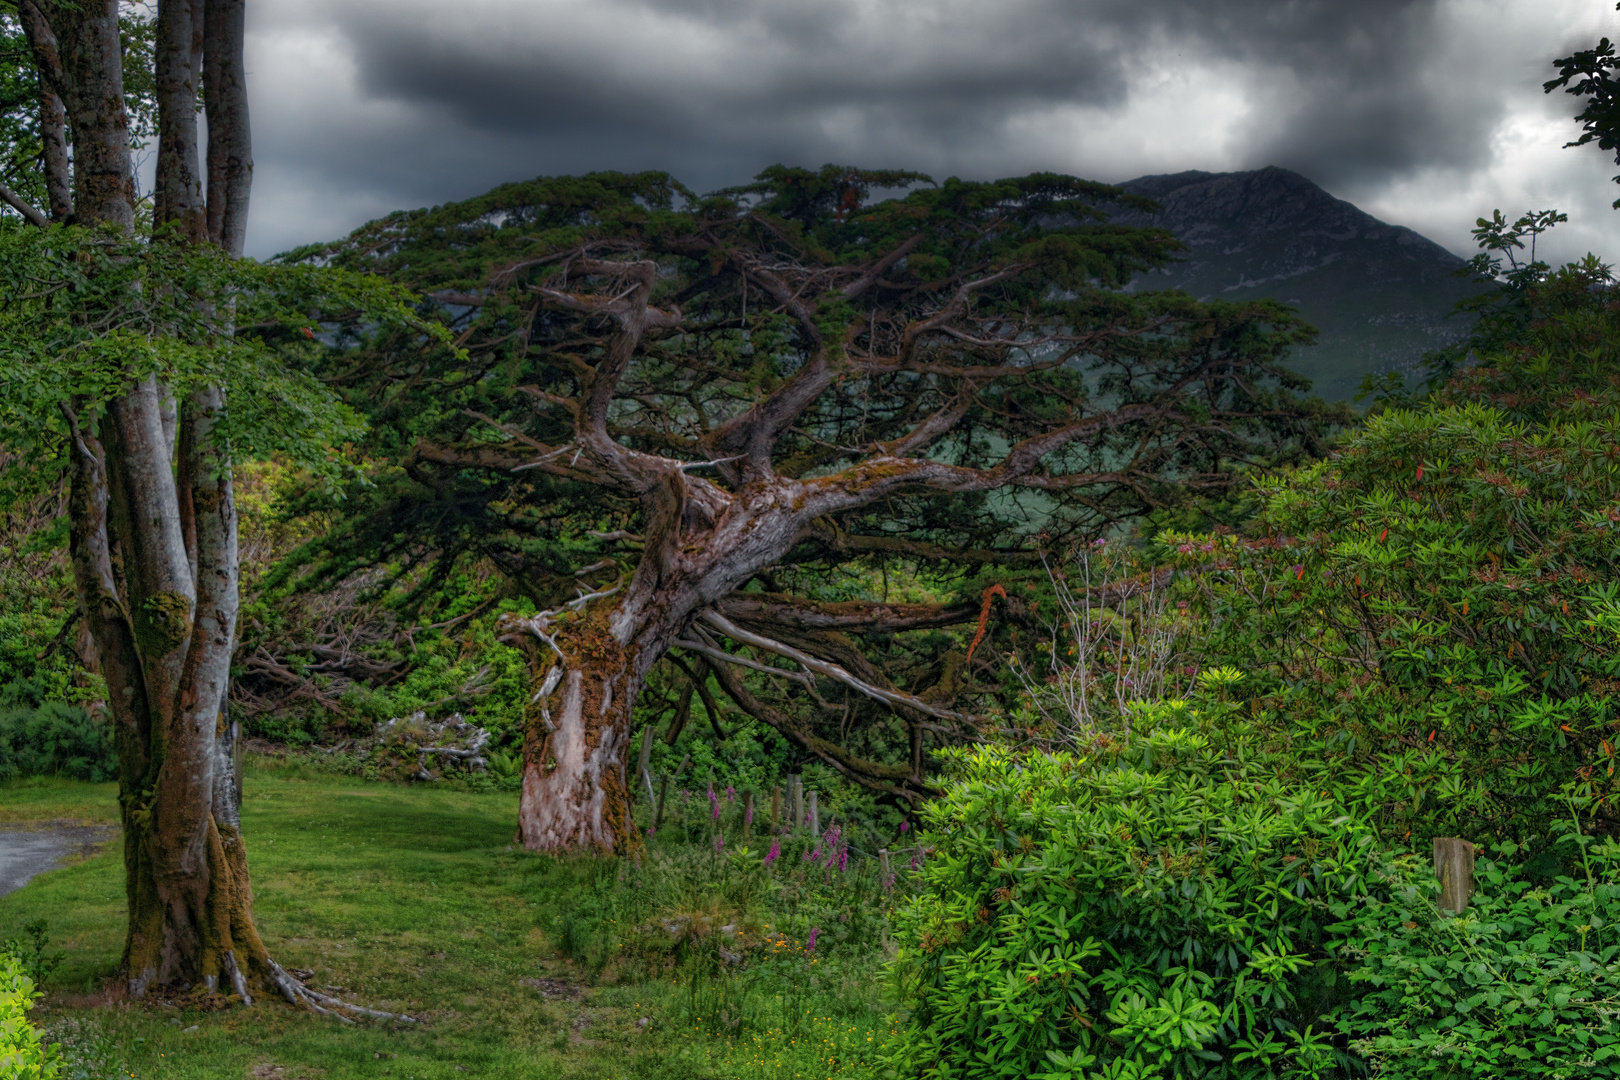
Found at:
<point>1379,293</point>
<point>1209,205</point>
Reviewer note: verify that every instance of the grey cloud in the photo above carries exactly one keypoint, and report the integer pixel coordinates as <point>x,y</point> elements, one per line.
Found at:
<point>1349,92</point>
<point>771,76</point>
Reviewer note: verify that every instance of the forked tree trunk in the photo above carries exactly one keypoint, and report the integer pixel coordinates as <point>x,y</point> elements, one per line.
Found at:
<point>153,537</point>
<point>190,905</point>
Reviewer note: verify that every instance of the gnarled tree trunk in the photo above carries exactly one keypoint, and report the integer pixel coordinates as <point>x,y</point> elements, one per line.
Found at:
<point>575,794</point>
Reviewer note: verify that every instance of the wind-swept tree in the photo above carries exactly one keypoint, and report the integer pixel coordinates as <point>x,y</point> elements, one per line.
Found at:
<point>668,406</point>
<point>118,352</point>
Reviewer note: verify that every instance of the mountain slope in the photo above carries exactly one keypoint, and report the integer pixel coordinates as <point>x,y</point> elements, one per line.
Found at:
<point>1380,294</point>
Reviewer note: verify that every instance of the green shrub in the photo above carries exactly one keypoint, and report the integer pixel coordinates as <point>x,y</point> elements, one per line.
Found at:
<point>1158,908</point>
<point>55,739</point>
<point>1431,621</point>
<point>22,1054</point>
<point>1523,984</point>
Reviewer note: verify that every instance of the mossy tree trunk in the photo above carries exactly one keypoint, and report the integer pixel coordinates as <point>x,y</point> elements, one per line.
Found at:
<point>590,659</point>
<point>153,518</point>
<point>575,793</point>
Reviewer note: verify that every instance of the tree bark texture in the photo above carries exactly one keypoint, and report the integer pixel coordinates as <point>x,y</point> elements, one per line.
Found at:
<point>590,661</point>
<point>575,793</point>
<point>230,144</point>
<point>154,546</point>
<point>52,114</point>
<point>177,195</point>
<point>91,57</point>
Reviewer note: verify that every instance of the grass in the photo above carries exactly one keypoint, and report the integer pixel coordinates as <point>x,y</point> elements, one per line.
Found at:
<point>415,899</point>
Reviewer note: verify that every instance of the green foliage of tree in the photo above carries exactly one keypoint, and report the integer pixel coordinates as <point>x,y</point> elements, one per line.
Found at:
<point>1589,74</point>
<point>92,312</point>
<point>51,738</point>
<point>1514,316</point>
<point>1155,906</point>
<point>1429,617</point>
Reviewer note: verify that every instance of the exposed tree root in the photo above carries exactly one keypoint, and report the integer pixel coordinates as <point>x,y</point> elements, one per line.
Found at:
<point>298,992</point>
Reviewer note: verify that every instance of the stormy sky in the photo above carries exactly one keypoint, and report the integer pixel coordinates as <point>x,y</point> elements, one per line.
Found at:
<point>1426,113</point>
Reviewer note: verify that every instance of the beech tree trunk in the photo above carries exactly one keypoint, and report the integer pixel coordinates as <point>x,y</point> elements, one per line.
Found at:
<point>230,142</point>
<point>154,532</point>
<point>52,115</point>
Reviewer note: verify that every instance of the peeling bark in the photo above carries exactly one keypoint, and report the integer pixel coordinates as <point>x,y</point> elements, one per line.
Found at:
<point>573,796</point>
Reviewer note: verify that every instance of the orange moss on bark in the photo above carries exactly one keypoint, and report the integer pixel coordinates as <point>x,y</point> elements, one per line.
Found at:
<point>575,787</point>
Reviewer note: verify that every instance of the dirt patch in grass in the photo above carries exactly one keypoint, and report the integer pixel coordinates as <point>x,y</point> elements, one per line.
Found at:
<point>32,849</point>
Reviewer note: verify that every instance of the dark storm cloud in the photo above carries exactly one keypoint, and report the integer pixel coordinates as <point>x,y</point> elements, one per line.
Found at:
<point>690,85</point>
<point>431,101</point>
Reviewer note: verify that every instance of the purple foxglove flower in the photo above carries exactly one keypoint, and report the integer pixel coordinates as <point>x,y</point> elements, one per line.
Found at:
<point>748,818</point>
<point>810,946</point>
<point>719,843</point>
<point>731,793</point>
<point>776,849</point>
<point>843,860</point>
<point>905,826</point>
<point>714,802</point>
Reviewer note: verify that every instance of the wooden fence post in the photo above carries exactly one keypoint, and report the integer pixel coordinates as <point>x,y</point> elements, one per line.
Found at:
<point>1454,867</point>
<point>748,813</point>
<point>776,809</point>
<point>815,816</point>
<point>643,766</point>
<point>795,803</point>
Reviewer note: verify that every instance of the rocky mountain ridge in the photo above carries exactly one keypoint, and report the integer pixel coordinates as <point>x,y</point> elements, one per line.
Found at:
<point>1380,294</point>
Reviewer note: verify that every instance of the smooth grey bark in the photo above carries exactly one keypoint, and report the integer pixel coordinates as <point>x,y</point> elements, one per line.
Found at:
<point>230,140</point>
<point>52,113</point>
<point>154,543</point>
<point>177,194</point>
<point>91,56</point>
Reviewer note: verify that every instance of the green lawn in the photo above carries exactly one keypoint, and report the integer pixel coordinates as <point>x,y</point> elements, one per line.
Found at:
<point>413,899</point>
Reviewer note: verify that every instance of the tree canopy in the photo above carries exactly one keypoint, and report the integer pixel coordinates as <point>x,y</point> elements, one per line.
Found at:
<point>682,412</point>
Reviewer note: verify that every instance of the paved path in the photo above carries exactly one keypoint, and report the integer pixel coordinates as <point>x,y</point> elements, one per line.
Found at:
<point>24,853</point>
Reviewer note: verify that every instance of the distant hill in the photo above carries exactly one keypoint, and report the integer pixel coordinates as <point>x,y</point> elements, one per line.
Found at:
<point>1379,293</point>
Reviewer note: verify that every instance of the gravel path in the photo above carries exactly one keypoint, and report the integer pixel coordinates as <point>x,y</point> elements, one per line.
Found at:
<point>26,852</point>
